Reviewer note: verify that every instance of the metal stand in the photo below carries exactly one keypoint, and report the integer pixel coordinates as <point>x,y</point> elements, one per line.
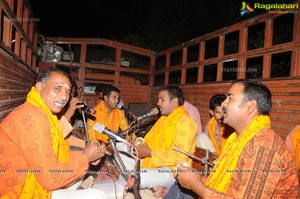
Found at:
<point>137,182</point>
<point>85,129</point>
<point>206,166</point>
<point>118,160</point>
<point>125,172</point>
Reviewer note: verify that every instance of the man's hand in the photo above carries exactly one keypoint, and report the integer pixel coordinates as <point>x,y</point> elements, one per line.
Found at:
<point>143,151</point>
<point>191,179</point>
<point>74,104</point>
<point>94,151</point>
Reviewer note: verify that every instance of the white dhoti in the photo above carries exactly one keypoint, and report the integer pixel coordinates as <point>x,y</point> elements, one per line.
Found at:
<point>204,142</point>
<point>149,177</point>
<point>73,193</point>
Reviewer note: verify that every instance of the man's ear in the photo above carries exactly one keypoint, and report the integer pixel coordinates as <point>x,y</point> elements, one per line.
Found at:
<point>105,97</point>
<point>251,106</point>
<point>38,87</point>
<point>211,113</point>
<point>175,102</point>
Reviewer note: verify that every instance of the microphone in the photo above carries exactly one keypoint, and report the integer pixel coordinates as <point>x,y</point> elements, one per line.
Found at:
<point>102,129</point>
<point>154,111</point>
<point>88,109</point>
<point>121,105</point>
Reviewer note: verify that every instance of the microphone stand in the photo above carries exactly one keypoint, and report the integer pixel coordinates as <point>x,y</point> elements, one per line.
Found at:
<point>85,129</point>
<point>136,125</point>
<point>118,160</point>
<point>137,182</point>
<point>125,172</point>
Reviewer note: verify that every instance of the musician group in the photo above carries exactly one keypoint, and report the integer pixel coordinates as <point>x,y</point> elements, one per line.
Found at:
<point>244,157</point>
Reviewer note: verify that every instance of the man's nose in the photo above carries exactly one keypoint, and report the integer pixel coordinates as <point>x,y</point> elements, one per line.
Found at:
<point>64,95</point>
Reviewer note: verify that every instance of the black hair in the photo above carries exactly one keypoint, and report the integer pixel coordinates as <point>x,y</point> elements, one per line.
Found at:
<point>254,90</point>
<point>174,92</point>
<point>45,74</point>
<point>99,88</point>
<point>108,89</point>
<point>216,100</point>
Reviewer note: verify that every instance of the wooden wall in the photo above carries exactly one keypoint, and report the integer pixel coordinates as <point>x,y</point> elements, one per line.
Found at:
<point>15,82</point>
<point>285,112</point>
<point>129,94</point>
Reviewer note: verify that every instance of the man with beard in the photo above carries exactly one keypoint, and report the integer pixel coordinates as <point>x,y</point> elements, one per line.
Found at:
<point>107,114</point>
<point>111,117</point>
<point>255,162</point>
<point>174,128</point>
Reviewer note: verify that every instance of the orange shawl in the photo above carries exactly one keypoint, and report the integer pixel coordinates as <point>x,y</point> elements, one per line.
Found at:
<point>211,131</point>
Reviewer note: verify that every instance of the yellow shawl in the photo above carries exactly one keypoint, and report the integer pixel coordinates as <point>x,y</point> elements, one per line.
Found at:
<point>211,130</point>
<point>111,122</point>
<point>31,188</point>
<point>160,137</point>
<point>220,179</point>
<point>296,146</point>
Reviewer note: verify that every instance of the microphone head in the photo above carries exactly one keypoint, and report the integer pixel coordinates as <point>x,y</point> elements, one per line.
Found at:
<point>154,111</point>
<point>120,105</point>
<point>88,109</point>
<point>99,127</point>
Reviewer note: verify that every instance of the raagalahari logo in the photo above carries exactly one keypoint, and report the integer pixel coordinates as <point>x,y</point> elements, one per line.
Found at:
<point>270,7</point>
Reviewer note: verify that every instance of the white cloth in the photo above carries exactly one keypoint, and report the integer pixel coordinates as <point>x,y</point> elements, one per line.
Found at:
<point>204,142</point>
<point>72,192</point>
<point>149,177</point>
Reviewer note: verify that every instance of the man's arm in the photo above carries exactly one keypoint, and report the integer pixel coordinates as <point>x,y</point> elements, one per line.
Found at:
<point>36,143</point>
<point>122,120</point>
<point>260,172</point>
<point>191,179</point>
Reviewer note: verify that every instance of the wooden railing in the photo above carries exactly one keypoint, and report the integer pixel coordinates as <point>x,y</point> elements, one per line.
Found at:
<point>228,53</point>
<point>251,49</point>
<point>100,61</point>
<point>19,35</point>
<point>18,55</point>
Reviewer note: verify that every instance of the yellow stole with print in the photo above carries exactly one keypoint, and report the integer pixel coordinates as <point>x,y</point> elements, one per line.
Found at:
<point>296,146</point>
<point>211,130</point>
<point>220,179</point>
<point>111,121</point>
<point>161,135</point>
<point>31,188</point>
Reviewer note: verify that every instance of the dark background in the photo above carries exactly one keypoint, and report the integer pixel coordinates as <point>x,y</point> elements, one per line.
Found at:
<point>153,24</point>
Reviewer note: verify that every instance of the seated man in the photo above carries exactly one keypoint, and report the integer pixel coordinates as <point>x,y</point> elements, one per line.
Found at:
<point>255,162</point>
<point>216,130</point>
<point>174,128</point>
<point>107,114</point>
<point>113,118</point>
<point>36,160</point>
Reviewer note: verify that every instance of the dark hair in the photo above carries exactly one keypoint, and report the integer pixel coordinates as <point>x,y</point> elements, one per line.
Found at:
<point>108,89</point>
<point>216,100</point>
<point>174,92</point>
<point>45,74</point>
<point>99,88</point>
<point>254,90</point>
<point>74,89</point>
